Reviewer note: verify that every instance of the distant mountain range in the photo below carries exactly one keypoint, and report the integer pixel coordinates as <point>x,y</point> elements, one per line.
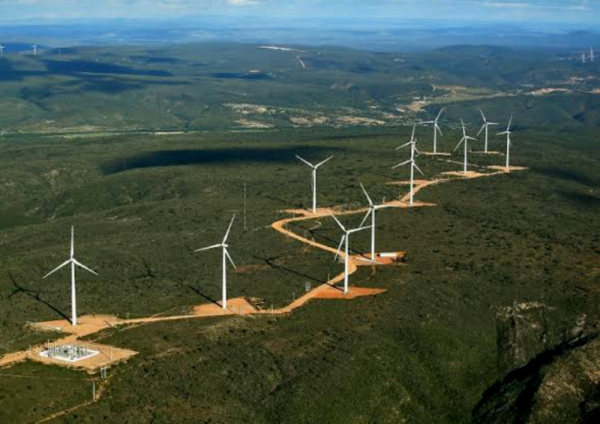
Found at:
<point>378,35</point>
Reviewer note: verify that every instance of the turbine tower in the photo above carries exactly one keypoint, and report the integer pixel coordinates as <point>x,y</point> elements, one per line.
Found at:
<point>591,54</point>
<point>314,178</point>
<point>486,127</point>
<point>73,262</point>
<point>413,165</point>
<point>34,47</point>
<point>507,133</point>
<point>346,239</point>
<point>436,129</point>
<point>372,211</point>
<point>464,140</point>
<point>226,256</point>
<point>582,57</point>
<point>2,49</point>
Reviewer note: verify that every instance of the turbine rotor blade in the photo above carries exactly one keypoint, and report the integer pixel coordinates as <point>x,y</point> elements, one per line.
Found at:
<point>325,161</point>
<point>458,145</point>
<point>57,268</point>
<point>439,114</point>
<point>79,264</point>
<point>509,123</point>
<point>437,127</point>
<point>412,137</point>
<point>230,260</point>
<point>340,247</point>
<point>482,128</point>
<point>356,230</point>
<point>305,161</point>
<point>72,241</point>
<point>483,116</point>
<point>404,145</point>
<point>402,164</point>
<point>418,169</point>
<point>366,194</point>
<point>228,230</point>
<point>208,248</point>
<point>338,221</point>
<point>369,212</point>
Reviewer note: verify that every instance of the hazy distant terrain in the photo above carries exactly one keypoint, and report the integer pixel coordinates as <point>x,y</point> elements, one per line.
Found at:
<point>262,86</point>
<point>376,34</point>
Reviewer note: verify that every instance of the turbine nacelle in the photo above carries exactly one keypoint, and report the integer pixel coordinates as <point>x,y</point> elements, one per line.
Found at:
<point>315,167</point>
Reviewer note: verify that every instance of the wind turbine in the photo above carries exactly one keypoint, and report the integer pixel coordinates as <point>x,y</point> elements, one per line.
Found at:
<point>2,49</point>
<point>346,239</point>
<point>34,47</point>
<point>314,178</point>
<point>507,133</point>
<point>73,262</point>
<point>413,164</point>
<point>372,211</point>
<point>226,256</point>
<point>436,129</point>
<point>464,140</point>
<point>591,54</point>
<point>583,58</point>
<point>486,127</point>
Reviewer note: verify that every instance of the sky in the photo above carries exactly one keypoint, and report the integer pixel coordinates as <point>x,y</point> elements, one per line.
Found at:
<point>573,12</point>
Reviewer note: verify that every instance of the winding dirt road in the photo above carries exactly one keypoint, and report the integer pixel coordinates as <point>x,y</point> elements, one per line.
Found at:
<point>239,306</point>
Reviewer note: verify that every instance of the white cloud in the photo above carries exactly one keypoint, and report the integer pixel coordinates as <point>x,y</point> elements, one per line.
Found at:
<point>242,2</point>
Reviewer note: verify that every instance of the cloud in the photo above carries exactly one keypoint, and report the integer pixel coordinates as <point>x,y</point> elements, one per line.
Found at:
<point>242,2</point>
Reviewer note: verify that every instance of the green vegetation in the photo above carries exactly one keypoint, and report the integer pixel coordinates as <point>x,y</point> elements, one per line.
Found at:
<point>30,391</point>
<point>232,86</point>
<point>423,352</point>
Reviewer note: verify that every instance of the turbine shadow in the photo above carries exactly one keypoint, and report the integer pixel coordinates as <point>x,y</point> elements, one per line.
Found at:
<point>33,294</point>
<point>272,264</point>
<point>199,293</point>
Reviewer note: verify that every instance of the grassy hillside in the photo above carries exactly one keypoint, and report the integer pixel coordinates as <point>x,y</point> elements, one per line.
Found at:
<point>425,351</point>
<point>231,86</point>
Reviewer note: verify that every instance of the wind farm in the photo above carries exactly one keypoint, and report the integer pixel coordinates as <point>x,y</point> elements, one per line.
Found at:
<point>260,240</point>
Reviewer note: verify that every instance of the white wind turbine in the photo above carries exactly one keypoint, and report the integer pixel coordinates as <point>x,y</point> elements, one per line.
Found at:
<point>507,133</point>
<point>2,49</point>
<point>226,257</point>
<point>464,140</point>
<point>314,178</point>
<point>372,211</point>
<point>486,127</point>
<point>34,47</point>
<point>346,239</point>
<point>411,161</point>
<point>436,129</point>
<point>591,54</point>
<point>73,262</point>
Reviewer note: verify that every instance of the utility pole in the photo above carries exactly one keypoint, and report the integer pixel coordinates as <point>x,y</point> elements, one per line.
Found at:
<point>245,207</point>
